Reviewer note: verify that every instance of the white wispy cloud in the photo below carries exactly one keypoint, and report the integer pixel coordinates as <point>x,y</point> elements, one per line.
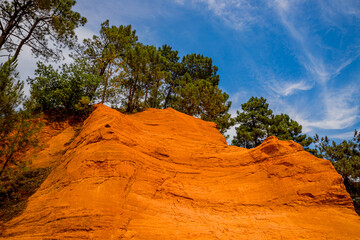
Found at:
<point>237,99</point>
<point>311,63</point>
<point>334,8</point>
<point>237,14</point>
<point>345,135</point>
<point>181,2</point>
<point>286,88</point>
<point>240,14</point>
<point>282,4</point>
<point>340,110</point>
<point>307,54</point>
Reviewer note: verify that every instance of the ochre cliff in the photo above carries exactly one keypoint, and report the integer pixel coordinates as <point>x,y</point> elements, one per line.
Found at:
<point>161,174</point>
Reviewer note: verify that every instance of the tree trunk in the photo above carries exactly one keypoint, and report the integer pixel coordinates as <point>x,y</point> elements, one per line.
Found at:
<point>6,162</point>
<point>167,98</point>
<point>104,92</point>
<point>146,93</point>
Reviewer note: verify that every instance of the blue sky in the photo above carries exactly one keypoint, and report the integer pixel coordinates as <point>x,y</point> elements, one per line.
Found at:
<point>302,56</point>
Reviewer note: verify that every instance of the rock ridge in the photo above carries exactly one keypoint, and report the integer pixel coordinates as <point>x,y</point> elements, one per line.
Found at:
<point>161,174</point>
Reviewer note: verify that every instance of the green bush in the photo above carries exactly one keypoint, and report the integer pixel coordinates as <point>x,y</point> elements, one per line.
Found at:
<point>70,89</point>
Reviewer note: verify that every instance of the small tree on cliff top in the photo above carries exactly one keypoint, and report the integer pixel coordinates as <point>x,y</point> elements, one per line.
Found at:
<point>254,123</point>
<point>258,122</point>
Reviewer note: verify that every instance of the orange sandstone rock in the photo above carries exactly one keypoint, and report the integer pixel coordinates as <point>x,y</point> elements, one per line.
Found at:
<point>161,174</point>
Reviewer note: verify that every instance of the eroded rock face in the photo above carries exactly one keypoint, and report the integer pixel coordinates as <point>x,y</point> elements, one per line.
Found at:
<point>161,174</point>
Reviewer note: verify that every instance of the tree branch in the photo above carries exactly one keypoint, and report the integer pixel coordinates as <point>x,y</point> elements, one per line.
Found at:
<point>14,20</point>
<point>25,39</point>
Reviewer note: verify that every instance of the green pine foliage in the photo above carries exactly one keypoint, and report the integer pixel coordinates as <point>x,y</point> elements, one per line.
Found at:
<point>136,66</point>
<point>201,67</point>
<point>214,106</point>
<point>32,23</point>
<point>11,96</point>
<point>105,55</point>
<point>155,79</point>
<point>18,131</point>
<point>134,77</point>
<point>175,69</point>
<point>284,128</point>
<point>345,156</point>
<point>257,122</point>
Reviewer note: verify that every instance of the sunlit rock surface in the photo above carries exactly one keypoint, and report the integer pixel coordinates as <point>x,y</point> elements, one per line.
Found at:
<point>161,174</point>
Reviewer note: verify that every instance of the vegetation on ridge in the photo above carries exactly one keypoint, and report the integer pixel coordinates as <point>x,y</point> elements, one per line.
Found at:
<point>257,122</point>
<point>345,157</point>
<point>115,68</point>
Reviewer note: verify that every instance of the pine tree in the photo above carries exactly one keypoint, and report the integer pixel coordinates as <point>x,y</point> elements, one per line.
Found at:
<point>284,128</point>
<point>201,67</point>
<point>17,130</point>
<point>187,96</point>
<point>214,106</point>
<point>254,123</point>
<point>196,91</point>
<point>175,71</point>
<point>157,77</point>
<point>33,23</point>
<point>136,60</point>
<point>106,53</point>
<point>345,156</point>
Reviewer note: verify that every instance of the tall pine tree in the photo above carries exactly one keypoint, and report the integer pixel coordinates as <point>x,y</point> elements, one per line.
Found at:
<point>258,122</point>
<point>254,123</point>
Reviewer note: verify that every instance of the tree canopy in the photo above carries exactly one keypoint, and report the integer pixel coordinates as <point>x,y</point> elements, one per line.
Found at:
<point>34,23</point>
<point>65,89</point>
<point>345,155</point>
<point>255,122</point>
<point>17,132</point>
<point>258,122</point>
<point>105,53</point>
<point>132,77</point>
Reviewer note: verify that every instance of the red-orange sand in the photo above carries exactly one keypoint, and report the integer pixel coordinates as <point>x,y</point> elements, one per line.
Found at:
<point>161,174</point>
